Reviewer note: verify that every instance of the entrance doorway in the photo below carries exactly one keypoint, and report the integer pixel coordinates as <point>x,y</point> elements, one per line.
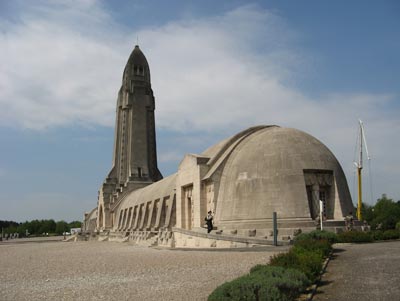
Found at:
<point>319,187</point>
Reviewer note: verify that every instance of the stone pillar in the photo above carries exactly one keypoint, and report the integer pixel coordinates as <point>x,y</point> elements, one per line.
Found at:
<point>315,200</point>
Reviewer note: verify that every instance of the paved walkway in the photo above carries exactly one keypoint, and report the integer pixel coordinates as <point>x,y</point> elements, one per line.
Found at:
<point>362,272</point>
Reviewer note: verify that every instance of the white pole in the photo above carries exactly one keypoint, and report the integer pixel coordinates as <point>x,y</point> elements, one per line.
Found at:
<point>320,213</point>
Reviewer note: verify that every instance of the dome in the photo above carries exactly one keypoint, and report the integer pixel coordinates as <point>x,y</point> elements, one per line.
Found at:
<point>283,170</point>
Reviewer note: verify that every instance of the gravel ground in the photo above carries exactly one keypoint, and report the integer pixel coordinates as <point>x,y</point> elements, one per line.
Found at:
<point>117,271</point>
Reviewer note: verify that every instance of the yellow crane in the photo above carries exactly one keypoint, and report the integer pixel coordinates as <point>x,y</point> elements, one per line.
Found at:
<point>359,166</point>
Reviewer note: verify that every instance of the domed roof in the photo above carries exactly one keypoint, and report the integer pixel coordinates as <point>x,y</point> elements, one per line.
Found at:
<point>266,171</point>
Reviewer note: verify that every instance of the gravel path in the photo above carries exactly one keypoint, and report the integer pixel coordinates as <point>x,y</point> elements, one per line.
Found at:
<point>117,271</point>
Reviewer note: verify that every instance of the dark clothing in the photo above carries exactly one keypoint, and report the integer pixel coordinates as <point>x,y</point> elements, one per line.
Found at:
<point>209,222</point>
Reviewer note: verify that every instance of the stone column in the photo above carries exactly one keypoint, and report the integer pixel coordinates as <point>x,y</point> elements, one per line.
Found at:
<point>315,200</point>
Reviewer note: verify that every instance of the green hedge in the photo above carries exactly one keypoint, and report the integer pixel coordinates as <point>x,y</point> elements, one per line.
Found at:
<point>348,236</point>
<point>386,235</point>
<point>263,283</point>
<point>288,274</point>
<point>308,262</point>
<point>391,234</point>
<point>355,237</point>
<point>322,246</point>
<point>317,235</point>
<point>364,237</point>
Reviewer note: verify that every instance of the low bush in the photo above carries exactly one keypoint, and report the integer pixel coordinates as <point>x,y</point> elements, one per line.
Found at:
<point>286,276</point>
<point>308,262</point>
<point>391,234</point>
<point>263,283</point>
<point>323,246</point>
<point>359,237</point>
<point>318,235</point>
<point>377,234</point>
<point>355,236</point>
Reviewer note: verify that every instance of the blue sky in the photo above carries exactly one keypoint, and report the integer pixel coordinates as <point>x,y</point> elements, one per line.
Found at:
<point>217,67</point>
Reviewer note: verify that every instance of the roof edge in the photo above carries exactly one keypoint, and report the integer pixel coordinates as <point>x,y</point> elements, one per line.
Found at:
<point>230,145</point>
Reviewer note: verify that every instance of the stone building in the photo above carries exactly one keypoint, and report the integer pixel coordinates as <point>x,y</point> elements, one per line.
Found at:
<point>242,180</point>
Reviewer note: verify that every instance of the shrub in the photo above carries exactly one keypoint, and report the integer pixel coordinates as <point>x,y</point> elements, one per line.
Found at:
<point>290,282</point>
<point>377,235</point>
<point>308,262</point>
<point>263,283</point>
<point>279,272</point>
<point>355,236</point>
<point>242,288</point>
<point>286,276</point>
<point>391,234</point>
<point>318,235</point>
<point>385,235</point>
<point>323,246</point>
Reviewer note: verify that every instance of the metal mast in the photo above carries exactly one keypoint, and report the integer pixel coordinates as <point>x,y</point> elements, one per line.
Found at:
<point>359,166</point>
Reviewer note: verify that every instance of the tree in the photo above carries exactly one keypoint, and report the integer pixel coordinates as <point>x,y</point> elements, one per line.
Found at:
<point>367,212</point>
<point>384,214</point>
<point>47,226</point>
<point>6,224</point>
<point>75,224</point>
<point>61,227</point>
<point>34,226</point>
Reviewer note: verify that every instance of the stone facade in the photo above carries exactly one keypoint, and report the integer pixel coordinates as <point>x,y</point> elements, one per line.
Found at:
<point>242,180</point>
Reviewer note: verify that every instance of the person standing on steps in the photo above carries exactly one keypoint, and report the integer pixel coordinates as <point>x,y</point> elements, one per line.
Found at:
<point>209,221</point>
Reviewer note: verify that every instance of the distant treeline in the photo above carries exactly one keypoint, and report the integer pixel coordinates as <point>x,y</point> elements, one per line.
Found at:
<point>38,227</point>
<point>6,224</point>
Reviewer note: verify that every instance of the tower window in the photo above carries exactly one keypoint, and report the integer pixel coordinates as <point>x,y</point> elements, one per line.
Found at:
<point>139,171</point>
<point>138,70</point>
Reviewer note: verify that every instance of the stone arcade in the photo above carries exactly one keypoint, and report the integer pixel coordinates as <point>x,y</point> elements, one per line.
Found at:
<point>242,180</point>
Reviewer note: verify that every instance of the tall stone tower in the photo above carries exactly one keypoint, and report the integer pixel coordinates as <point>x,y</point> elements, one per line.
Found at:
<point>135,156</point>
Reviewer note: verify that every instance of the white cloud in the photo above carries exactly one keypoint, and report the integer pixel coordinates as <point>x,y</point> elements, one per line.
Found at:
<point>63,64</point>
<point>55,69</point>
<point>206,80</point>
